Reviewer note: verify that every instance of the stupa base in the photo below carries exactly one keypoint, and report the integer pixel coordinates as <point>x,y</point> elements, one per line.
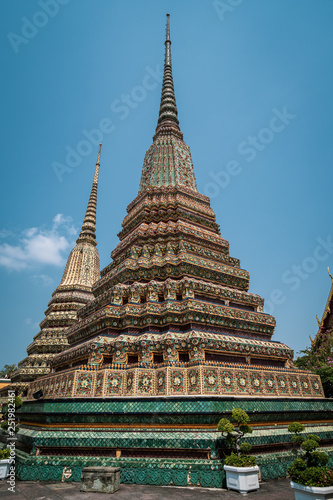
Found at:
<point>159,440</point>
<point>154,471</point>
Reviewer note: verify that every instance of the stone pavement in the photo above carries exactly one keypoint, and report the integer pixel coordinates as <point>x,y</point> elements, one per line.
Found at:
<point>278,489</point>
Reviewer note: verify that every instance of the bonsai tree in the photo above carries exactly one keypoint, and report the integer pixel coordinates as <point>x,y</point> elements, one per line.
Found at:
<point>310,467</point>
<point>233,433</point>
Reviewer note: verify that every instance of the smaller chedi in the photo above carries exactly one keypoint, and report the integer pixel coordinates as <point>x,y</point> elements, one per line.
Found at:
<point>74,291</point>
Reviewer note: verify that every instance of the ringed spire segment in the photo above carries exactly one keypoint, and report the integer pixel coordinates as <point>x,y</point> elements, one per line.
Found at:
<point>88,231</point>
<point>168,113</point>
<point>168,42</point>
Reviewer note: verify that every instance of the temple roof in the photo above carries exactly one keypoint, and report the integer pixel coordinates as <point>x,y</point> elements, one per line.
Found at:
<point>327,318</point>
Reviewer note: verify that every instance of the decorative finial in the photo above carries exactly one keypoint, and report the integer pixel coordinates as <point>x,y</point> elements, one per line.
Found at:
<point>99,154</point>
<point>168,109</point>
<point>89,224</point>
<point>167,38</point>
<point>95,181</point>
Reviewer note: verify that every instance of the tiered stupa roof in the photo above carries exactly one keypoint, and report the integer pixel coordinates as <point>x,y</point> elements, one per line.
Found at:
<point>74,291</point>
<point>172,313</point>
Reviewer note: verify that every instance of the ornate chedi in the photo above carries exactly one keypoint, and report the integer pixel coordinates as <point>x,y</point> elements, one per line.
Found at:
<point>172,313</point>
<point>74,291</point>
<point>172,340</point>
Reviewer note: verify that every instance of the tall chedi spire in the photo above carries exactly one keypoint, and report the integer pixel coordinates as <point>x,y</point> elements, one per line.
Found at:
<point>82,266</point>
<point>74,291</point>
<point>168,161</point>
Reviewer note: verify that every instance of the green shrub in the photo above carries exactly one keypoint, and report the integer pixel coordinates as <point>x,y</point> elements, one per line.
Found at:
<point>17,404</point>
<point>245,448</point>
<point>318,459</point>
<point>298,439</point>
<point>240,461</point>
<point>297,467</point>
<point>309,469</point>
<point>4,425</point>
<point>4,454</point>
<point>225,426</point>
<point>309,445</point>
<point>296,428</point>
<point>240,416</point>
<point>314,437</point>
<point>313,476</point>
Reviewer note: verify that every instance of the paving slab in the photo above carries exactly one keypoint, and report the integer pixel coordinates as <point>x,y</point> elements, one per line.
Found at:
<point>278,489</point>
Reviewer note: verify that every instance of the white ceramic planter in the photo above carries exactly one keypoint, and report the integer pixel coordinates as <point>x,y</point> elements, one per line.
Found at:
<point>312,492</point>
<point>4,468</point>
<point>242,479</point>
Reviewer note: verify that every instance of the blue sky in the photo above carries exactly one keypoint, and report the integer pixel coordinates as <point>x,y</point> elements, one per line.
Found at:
<point>253,82</point>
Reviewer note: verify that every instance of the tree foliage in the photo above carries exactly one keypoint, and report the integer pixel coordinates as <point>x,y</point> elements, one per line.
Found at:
<point>10,408</point>
<point>7,370</point>
<point>4,454</point>
<point>319,359</point>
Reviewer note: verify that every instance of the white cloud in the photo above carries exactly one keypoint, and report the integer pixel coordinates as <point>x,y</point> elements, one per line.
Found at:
<point>67,222</point>
<point>5,233</point>
<point>39,246</point>
<point>42,279</point>
<point>32,326</point>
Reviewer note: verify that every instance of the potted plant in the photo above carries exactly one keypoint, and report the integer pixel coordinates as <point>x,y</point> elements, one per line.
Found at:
<point>311,478</point>
<point>4,463</point>
<point>241,469</point>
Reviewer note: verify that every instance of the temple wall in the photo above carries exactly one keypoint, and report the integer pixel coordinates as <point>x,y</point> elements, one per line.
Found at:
<point>197,379</point>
